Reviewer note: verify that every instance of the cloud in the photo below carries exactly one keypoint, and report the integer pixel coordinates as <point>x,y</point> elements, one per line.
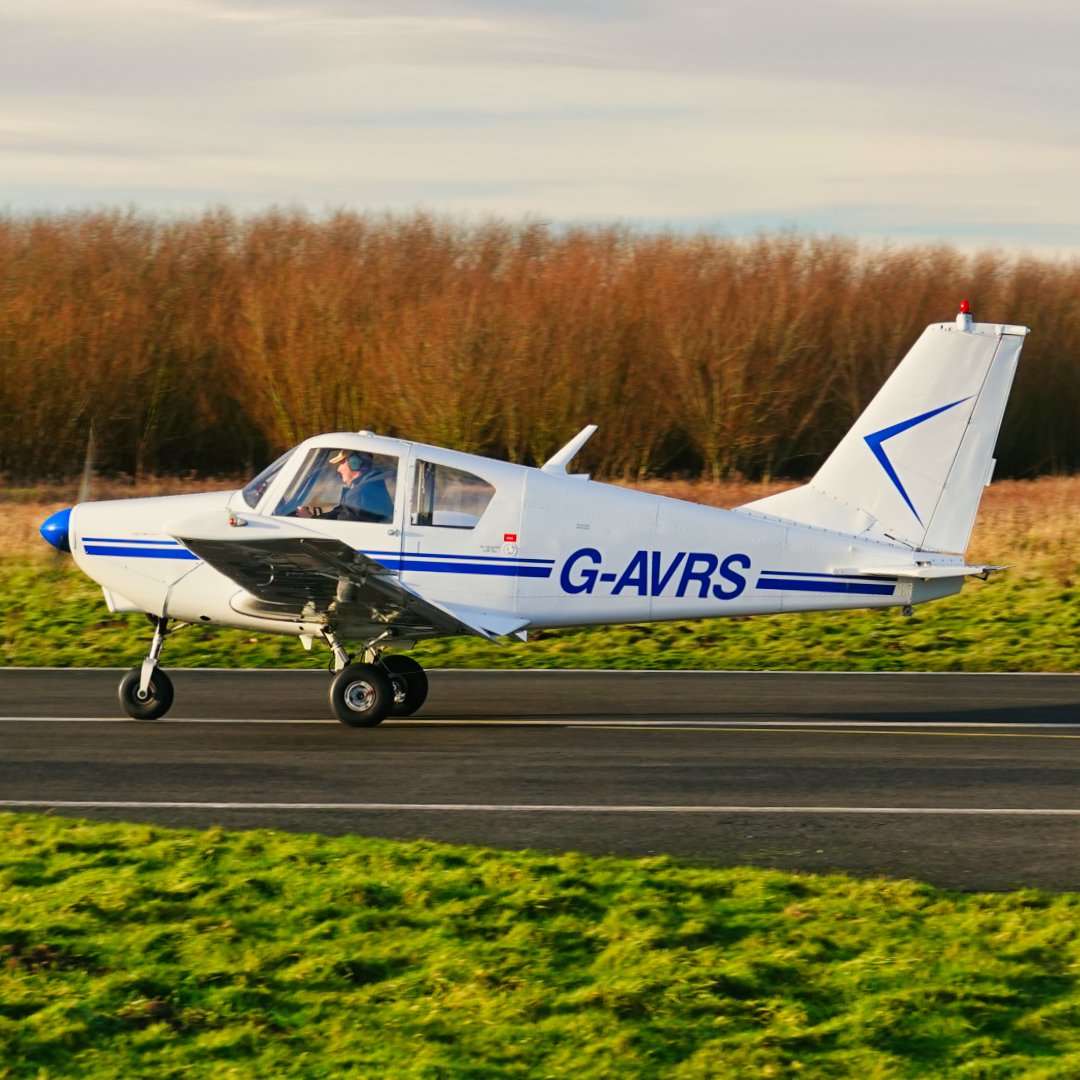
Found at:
<point>873,119</point>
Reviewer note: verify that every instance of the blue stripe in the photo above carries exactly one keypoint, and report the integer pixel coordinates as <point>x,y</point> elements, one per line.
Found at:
<point>140,553</point>
<point>829,577</point>
<point>128,540</point>
<point>175,543</point>
<point>796,585</point>
<point>477,558</point>
<point>467,568</point>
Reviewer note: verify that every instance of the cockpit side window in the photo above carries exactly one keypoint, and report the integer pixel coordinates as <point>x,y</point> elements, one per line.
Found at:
<point>255,490</point>
<point>342,485</point>
<point>451,498</point>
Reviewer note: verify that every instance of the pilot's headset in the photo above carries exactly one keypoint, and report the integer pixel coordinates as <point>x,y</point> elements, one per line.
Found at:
<point>355,459</point>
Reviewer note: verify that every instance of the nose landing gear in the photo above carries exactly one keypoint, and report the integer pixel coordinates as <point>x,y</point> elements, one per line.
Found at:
<point>146,692</point>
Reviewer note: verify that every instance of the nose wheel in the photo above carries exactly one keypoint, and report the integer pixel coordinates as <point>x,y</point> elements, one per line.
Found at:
<point>146,692</point>
<point>148,704</point>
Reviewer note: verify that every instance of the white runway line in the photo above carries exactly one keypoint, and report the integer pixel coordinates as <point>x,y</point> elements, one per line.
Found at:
<point>928,728</point>
<point>556,808</point>
<point>172,720</point>
<point>643,723</point>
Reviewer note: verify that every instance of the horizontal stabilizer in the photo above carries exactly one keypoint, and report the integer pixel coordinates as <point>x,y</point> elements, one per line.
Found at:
<point>926,571</point>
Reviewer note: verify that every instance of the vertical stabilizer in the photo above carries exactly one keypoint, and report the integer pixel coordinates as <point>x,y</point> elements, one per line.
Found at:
<point>913,468</point>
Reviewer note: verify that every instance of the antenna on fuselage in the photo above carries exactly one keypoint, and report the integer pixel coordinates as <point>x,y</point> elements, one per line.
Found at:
<point>560,459</point>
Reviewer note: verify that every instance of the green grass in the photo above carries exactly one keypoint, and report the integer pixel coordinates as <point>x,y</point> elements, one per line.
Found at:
<point>138,951</point>
<point>1019,621</point>
<point>130,950</point>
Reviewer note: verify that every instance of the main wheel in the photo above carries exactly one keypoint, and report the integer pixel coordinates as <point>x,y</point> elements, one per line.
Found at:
<point>409,681</point>
<point>157,699</point>
<point>361,695</point>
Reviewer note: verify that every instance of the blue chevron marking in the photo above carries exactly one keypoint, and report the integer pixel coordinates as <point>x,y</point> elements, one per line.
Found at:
<point>876,438</point>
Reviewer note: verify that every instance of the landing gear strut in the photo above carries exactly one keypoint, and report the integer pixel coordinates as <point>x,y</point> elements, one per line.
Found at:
<point>365,694</point>
<point>146,692</point>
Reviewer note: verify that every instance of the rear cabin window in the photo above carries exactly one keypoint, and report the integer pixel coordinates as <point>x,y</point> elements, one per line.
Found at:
<point>452,498</point>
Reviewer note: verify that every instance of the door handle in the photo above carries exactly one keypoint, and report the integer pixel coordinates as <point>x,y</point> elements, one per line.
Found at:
<point>393,532</point>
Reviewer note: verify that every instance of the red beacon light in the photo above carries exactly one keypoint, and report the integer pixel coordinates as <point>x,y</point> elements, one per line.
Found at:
<point>963,320</point>
<point>965,307</point>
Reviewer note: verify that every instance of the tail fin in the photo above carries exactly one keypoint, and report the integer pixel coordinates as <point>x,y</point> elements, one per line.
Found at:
<point>913,468</point>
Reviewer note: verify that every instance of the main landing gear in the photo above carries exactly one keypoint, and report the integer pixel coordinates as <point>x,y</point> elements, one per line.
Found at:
<point>361,695</point>
<point>365,694</point>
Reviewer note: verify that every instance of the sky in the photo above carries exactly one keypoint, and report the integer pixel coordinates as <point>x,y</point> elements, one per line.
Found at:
<point>902,121</point>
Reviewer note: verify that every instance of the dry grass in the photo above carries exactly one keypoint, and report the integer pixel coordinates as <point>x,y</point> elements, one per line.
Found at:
<point>1033,524</point>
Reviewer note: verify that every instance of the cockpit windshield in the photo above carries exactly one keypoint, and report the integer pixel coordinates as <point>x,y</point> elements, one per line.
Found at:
<point>255,490</point>
<point>343,485</point>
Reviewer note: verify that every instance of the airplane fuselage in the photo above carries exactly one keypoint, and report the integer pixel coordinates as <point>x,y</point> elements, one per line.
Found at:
<point>556,551</point>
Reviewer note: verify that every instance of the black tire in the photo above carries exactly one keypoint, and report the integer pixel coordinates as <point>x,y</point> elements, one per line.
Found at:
<point>409,681</point>
<point>361,695</point>
<point>159,695</point>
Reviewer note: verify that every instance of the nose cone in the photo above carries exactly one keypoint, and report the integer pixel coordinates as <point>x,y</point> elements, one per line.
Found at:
<point>55,529</point>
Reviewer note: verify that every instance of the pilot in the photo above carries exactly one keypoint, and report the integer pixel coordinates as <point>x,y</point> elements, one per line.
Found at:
<point>364,496</point>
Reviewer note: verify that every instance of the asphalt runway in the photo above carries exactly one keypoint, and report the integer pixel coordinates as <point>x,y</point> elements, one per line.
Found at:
<point>965,781</point>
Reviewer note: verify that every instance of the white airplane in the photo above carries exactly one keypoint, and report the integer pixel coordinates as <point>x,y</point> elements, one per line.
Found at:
<point>387,542</point>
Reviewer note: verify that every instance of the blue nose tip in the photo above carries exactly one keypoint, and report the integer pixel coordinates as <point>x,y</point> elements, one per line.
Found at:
<point>55,529</point>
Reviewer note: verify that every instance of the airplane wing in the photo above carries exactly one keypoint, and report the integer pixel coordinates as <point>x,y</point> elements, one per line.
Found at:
<point>308,577</point>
